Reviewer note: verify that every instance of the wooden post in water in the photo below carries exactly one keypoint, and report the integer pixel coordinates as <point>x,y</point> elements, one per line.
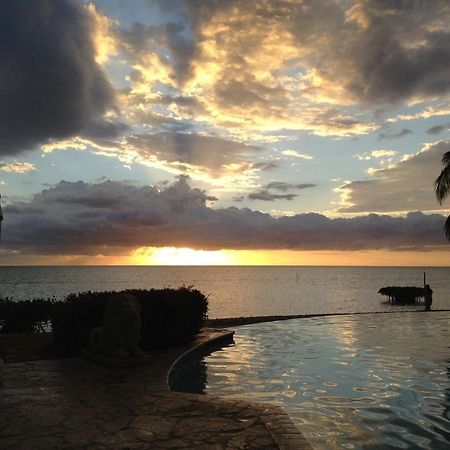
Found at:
<point>424,279</point>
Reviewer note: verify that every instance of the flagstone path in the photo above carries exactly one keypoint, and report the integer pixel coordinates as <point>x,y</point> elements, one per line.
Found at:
<point>76,404</point>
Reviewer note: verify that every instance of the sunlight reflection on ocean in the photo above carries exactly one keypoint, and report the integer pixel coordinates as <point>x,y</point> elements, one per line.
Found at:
<point>238,291</point>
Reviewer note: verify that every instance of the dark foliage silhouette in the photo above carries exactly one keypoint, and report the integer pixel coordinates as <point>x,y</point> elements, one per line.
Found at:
<point>24,316</point>
<point>402,295</point>
<point>442,188</point>
<point>170,317</point>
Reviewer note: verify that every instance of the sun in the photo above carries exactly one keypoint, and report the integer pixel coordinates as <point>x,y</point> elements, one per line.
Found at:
<point>179,256</point>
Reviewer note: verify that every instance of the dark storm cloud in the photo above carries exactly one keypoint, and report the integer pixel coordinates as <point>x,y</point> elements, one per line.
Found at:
<point>106,218</point>
<point>50,83</point>
<point>105,130</point>
<point>394,135</point>
<point>438,129</point>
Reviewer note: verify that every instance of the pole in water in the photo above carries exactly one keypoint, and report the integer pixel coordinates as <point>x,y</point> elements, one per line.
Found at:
<point>424,279</point>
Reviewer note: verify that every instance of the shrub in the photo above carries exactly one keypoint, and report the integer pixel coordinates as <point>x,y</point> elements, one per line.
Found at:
<point>74,318</point>
<point>24,316</point>
<point>402,294</point>
<point>170,317</point>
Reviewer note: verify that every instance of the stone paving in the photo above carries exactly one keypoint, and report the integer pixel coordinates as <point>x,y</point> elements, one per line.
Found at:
<point>76,404</point>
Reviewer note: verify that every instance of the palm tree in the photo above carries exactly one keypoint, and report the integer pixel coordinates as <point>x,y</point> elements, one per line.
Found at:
<point>442,188</point>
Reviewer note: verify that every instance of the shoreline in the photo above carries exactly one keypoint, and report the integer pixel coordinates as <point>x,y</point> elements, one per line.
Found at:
<point>237,321</point>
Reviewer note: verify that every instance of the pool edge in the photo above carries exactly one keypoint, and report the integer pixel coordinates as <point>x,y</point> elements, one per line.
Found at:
<point>277,422</point>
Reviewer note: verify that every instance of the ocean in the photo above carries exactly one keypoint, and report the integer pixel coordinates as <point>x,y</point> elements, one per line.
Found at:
<point>236,291</point>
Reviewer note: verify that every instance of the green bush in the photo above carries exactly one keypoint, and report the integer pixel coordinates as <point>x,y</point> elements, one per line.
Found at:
<point>24,316</point>
<point>170,317</point>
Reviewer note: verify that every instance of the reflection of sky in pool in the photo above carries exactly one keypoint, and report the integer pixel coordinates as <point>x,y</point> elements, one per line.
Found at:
<point>372,381</point>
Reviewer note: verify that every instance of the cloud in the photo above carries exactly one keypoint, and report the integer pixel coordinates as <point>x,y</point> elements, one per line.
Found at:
<point>103,34</point>
<point>296,154</point>
<point>364,51</point>
<point>438,129</point>
<point>266,195</point>
<point>269,165</point>
<point>284,187</point>
<point>397,135</point>
<point>52,86</point>
<point>106,129</point>
<point>376,154</point>
<point>241,80</point>
<point>441,109</point>
<point>405,186</point>
<point>238,198</point>
<point>212,154</point>
<point>17,167</point>
<point>323,67</point>
<point>202,156</point>
<point>395,51</point>
<point>114,218</point>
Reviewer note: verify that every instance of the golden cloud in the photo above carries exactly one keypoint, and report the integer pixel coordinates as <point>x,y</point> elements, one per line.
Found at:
<point>17,167</point>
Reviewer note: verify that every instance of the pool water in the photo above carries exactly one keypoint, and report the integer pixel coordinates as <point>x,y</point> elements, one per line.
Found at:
<point>363,381</point>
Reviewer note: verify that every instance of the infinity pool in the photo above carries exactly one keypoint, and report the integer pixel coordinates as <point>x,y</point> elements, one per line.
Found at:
<point>365,381</point>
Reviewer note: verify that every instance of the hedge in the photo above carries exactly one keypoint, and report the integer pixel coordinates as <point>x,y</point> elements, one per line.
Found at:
<point>25,316</point>
<point>170,317</point>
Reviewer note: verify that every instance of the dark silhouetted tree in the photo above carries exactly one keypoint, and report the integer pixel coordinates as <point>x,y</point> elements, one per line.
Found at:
<point>442,187</point>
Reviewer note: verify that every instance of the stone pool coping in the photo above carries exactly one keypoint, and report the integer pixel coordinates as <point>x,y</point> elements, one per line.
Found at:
<point>75,404</point>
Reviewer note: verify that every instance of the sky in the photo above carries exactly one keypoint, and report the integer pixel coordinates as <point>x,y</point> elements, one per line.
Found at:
<point>223,131</point>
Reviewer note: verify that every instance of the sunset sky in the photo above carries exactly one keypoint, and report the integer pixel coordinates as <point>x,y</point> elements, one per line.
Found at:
<point>223,131</point>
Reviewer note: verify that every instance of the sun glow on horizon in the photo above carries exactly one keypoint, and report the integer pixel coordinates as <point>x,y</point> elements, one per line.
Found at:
<point>185,256</point>
<point>176,256</point>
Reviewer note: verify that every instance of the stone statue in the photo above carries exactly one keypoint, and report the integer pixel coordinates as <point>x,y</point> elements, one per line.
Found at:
<point>121,331</point>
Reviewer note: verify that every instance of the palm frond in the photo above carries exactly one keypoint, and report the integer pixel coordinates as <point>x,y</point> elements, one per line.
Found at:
<point>442,184</point>
<point>446,159</point>
<point>447,228</point>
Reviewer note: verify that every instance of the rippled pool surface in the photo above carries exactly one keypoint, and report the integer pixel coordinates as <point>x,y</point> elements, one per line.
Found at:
<point>369,381</point>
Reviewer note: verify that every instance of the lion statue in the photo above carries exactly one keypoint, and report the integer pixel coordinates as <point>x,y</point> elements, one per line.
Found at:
<point>121,331</point>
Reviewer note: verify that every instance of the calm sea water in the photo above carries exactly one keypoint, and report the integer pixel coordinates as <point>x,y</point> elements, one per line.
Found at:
<point>239,291</point>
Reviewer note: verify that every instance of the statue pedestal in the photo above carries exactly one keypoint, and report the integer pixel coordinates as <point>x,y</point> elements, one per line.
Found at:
<point>117,363</point>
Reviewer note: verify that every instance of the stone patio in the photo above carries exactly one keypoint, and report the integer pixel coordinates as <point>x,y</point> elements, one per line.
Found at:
<point>76,404</point>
